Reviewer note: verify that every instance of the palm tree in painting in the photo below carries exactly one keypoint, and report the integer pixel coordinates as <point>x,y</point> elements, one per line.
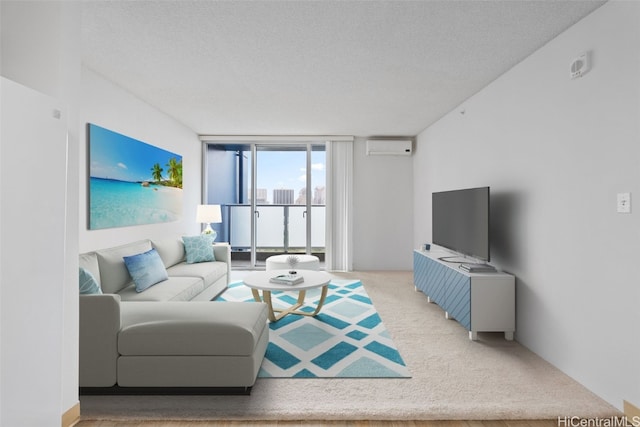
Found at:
<point>179,174</point>
<point>156,172</point>
<point>175,171</point>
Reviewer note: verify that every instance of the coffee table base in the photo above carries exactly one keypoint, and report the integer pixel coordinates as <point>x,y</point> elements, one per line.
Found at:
<point>271,312</point>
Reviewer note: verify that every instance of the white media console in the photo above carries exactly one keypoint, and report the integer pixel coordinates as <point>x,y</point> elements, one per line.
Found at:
<point>481,302</point>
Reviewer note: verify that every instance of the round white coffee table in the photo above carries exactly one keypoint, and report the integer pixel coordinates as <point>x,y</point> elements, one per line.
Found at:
<point>259,281</point>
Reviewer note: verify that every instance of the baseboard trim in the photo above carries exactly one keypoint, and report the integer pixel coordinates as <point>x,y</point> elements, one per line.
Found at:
<point>164,391</point>
<point>71,416</point>
<point>630,410</point>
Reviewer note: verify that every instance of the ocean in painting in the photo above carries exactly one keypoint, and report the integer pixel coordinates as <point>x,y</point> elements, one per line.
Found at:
<point>116,203</point>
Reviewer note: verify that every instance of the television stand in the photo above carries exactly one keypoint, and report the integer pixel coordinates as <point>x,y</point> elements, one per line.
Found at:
<point>454,259</point>
<point>481,302</point>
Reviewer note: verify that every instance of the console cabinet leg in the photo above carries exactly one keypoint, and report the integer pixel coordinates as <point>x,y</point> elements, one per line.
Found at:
<point>508,335</point>
<point>473,335</point>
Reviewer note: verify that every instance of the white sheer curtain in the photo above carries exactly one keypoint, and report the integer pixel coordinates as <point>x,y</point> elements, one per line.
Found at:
<point>339,206</point>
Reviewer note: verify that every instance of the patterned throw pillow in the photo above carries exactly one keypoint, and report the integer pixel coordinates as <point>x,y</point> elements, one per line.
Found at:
<point>146,269</point>
<point>199,248</point>
<point>88,284</point>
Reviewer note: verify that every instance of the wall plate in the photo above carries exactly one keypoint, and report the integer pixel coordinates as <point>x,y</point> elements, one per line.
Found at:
<point>624,203</point>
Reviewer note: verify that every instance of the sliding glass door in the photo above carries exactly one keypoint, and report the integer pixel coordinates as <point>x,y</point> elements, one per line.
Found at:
<point>273,198</point>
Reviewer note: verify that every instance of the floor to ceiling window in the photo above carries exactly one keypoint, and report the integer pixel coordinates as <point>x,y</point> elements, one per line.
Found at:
<point>272,196</point>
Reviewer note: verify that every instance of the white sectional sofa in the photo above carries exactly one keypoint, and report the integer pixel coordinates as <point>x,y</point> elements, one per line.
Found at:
<point>170,336</point>
<point>187,282</point>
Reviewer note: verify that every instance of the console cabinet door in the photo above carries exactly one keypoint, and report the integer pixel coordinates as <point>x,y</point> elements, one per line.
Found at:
<point>431,278</point>
<point>420,273</point>
<point>458,299</point>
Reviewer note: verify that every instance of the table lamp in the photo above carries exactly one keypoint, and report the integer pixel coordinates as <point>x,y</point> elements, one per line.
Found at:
<point>208,214</point>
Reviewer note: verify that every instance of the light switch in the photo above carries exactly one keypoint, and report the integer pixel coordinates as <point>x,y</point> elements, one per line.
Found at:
<point>624,202</point>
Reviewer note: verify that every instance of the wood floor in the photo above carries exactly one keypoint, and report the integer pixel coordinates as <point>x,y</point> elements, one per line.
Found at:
<point>500,423</point>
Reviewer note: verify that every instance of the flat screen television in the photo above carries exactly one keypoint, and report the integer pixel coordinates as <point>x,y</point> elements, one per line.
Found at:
<point>460,221</point>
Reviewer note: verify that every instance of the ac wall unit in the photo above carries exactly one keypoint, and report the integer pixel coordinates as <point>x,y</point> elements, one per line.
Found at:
<point>389,147</point>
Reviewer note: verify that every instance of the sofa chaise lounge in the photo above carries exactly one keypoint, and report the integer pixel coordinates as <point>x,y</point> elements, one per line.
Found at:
<point>170,336</point>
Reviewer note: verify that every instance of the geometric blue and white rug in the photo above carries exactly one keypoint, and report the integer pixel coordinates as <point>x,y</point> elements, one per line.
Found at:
<point>346,339</point>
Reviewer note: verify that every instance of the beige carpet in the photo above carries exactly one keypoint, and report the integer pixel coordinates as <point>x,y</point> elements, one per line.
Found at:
<point>452,378</point>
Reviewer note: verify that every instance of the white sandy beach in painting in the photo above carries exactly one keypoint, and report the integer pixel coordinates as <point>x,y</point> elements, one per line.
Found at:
<point>119,204</point>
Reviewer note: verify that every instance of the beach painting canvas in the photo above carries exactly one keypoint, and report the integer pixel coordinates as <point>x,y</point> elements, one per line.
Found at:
<point>131,182</point>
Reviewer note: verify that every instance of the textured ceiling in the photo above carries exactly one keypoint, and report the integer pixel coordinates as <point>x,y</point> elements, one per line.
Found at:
<point>314,67</point>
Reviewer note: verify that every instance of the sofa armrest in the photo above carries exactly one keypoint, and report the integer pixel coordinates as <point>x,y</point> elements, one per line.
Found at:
<point>222,253</point>
<point>99,327</point>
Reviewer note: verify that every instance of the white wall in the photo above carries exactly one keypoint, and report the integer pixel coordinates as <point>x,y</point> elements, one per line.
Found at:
<point>556,152</point>
<point>32,272</point>
<point>111,107</point>
<point>382,211</point>
<point>41,50</point>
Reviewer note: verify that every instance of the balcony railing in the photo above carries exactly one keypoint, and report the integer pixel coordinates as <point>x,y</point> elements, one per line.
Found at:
<point>279,229</point>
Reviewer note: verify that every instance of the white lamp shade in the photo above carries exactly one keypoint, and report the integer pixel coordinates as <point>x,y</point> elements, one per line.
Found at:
<point>208,214</point>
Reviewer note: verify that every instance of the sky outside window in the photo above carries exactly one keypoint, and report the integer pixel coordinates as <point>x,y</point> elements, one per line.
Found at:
<point>287,170</point>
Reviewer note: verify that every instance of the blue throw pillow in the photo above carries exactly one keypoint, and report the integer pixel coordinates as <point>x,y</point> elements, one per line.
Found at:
<point>88,284</point>
<point>199,248</point>
<point>146,269</point>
